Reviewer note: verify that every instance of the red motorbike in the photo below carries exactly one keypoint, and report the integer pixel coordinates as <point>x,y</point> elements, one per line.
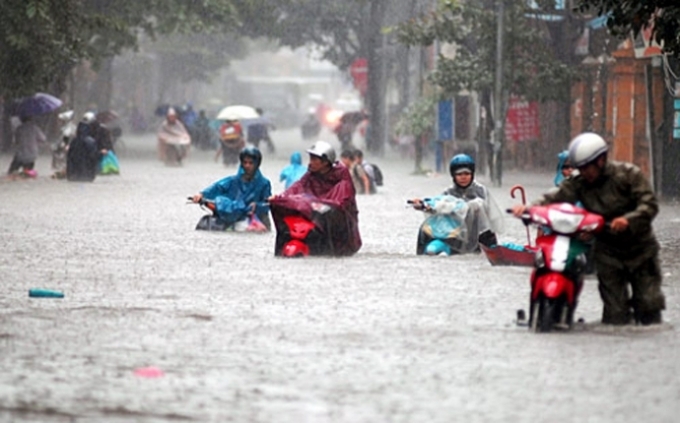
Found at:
<point>304,226</point>
<point>560,263</point>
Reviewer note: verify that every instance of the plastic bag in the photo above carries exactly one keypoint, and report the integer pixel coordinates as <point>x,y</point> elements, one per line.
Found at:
<point>255,224</point>
<point>109,164</point>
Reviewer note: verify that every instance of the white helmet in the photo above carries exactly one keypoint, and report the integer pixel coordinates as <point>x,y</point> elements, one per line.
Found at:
<point>585,148</point>
<point>89,117</point>
<point>324,150</point>
<point>67,115</point>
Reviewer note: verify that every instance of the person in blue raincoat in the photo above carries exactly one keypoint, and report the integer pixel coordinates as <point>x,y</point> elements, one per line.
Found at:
<point>294,171</point>
<point>564,171</point>
<point>564,167</point>
<point>238,197</point>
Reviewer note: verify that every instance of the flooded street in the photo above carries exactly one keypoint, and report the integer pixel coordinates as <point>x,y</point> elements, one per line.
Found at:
<point>242,336</point>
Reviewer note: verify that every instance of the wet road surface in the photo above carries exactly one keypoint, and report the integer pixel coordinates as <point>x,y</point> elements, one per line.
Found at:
<point>242,336</point>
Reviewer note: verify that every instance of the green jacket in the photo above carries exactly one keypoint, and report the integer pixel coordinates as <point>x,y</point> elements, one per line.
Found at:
<point>621,190</point>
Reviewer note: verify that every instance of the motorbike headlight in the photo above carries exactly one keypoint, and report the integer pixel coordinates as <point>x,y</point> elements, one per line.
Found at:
<point>564,223</point>
<point>320,208</point>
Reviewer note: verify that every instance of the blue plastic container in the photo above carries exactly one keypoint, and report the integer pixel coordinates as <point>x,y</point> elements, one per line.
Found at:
<point>44,293</point>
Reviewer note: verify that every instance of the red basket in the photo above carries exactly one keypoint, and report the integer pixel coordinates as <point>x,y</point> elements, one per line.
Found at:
<point>499,255</point>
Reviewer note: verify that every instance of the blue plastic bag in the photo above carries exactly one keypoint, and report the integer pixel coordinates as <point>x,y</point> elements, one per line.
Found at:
<point>109,164</point>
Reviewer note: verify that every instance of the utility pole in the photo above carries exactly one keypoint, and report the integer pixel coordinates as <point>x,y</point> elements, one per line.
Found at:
<point>497,161</point>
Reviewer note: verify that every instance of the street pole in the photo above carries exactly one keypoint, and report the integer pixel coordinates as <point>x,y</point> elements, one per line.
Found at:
<point>497,162</point>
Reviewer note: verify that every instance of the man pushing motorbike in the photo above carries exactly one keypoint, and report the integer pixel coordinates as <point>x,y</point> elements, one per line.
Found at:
<point>626,253</point>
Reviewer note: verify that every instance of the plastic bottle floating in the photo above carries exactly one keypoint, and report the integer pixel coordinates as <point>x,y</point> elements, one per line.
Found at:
<point>44,293</point>
<point>150,372</point>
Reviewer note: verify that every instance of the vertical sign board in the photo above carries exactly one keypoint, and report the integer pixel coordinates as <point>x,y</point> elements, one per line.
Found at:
<point>676,119</point>
<point>522,121</point>
<point>444,131</point>
<point>359,71</point>
<point>445,120</point>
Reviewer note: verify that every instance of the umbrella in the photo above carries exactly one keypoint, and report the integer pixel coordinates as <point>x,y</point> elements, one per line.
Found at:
<point>260,120</point>
<point>353,117</point>
<point>237,113</point>
<point>107,116</point>
<point>38,104</point>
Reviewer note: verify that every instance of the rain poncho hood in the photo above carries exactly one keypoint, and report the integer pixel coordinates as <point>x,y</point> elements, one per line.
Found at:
<point>174,133</point>
<point>293,172</point>
<point>233,196</point>
<point>82,158</point>
<point>561,160</point>
<point>334,189</point>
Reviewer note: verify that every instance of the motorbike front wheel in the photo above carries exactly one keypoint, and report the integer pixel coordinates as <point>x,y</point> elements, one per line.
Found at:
<point>543,313</point>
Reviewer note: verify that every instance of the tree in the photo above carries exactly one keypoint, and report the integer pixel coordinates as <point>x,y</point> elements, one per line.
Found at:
<point>38,40</point>
<point>41,40</point>
<point>417,122</point>
<point>194,39</point>
<point>630,16</point>
<point>530,67</point>
<point>342,31</point>
<point>194,57</point>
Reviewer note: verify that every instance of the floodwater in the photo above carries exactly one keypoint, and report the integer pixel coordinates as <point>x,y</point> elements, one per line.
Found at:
<point>242,336</point>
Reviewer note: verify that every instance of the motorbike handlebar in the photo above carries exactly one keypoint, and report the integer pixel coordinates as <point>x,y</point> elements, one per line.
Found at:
<point>421,201</point>
<point>524,216</point>
<point>419,205</point>
<point>201,202</point>
<point>526,219</point>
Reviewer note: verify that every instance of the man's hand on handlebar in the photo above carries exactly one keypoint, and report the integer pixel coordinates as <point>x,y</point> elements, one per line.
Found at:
<point>619,224</point>
<point>519,210</point>
<point>416,203</point>
<point>197,198</point>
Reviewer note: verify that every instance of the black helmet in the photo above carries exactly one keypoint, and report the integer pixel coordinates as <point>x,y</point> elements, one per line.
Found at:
<point>253,153</point>
<point>461,161</point>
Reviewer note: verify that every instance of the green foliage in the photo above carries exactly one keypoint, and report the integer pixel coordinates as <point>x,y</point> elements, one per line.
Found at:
<point>37,42</point>
<point>418,118</point>
<point>530,67</point>
<point>196,57</point>
<point>337,28</point>
<point>41,40</point>
<point>630,16</point>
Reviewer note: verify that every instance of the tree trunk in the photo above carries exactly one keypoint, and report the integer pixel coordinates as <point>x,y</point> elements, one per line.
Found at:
<point>103,85</point>
<point>5,129</point>
<point>376,80</point>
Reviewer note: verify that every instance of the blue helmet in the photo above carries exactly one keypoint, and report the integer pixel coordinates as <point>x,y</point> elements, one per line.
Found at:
<point>253,153</point>
<point>461,161</point>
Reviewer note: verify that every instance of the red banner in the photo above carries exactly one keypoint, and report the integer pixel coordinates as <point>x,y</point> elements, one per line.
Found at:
<point>522,123</point>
